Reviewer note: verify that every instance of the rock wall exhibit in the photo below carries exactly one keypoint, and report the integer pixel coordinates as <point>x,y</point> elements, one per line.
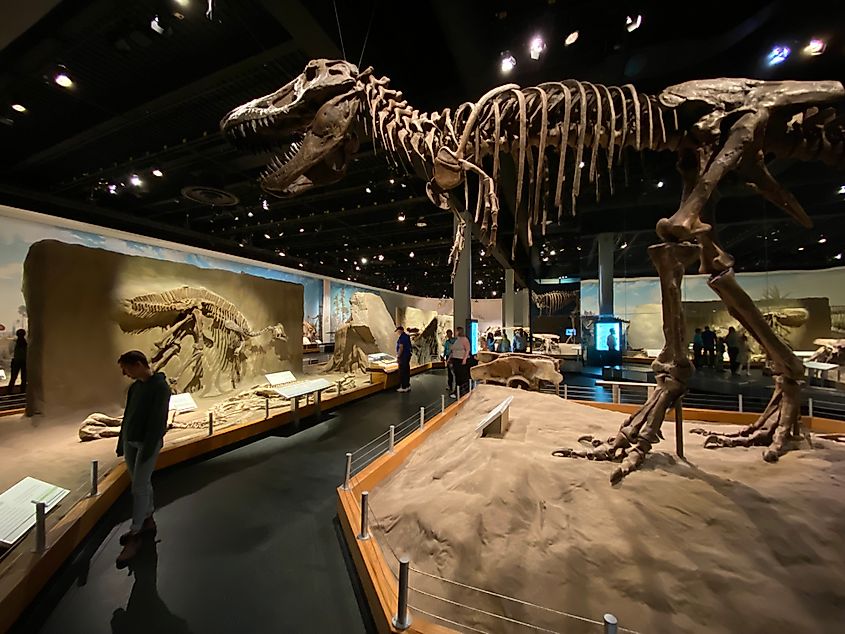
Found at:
<point>368,329</point>
<point>212,332</point>
<point>428,332</point>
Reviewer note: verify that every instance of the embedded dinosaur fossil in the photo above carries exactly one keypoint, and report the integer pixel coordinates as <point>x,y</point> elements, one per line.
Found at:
<point>218,331</point>
<point>553,301</point>
<point>559,135</point>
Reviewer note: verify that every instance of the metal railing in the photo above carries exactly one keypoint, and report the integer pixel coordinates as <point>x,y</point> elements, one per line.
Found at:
<point>11,402</point>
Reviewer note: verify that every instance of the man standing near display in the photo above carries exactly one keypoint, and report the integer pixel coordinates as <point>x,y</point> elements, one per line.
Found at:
<point>732,342</point>
<point>460,360</point>
<point>140,441</point>
<point>19,360</point>
<point>708,340</point>
<point>403,356</point>
<point>447,356</point>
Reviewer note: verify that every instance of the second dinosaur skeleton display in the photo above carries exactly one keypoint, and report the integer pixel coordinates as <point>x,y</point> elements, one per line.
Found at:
<point>560,134</point>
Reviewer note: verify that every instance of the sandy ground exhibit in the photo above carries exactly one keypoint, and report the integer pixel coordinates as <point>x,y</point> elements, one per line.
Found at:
<point>721,543</point>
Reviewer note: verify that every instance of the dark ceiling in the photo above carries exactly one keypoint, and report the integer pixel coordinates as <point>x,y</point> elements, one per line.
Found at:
<point>144,101</point>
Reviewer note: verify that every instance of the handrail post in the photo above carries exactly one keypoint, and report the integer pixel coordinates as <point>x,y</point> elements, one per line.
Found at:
<point>442,403</point>
<point>40,527</point>
<point>210,423</point>
<point>392,444</point>
<point>458,392</point>
<point>740,403</point>
<point>616,393</point>
<point>810,407</point>
<point>95,467</point>
<point>611,624</point>
<point>422,417</point>
<point>566,391</point>
<point>402,619</point>
<point>679,428</point>
<point>365,509</point>
<point>348,474</point>
<point>266,407</point>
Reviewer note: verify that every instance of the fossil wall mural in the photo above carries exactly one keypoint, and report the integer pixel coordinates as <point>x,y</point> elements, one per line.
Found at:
<point>212,332</point>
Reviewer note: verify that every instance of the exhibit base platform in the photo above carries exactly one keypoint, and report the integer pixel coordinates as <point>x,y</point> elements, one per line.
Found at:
<point>24,571</point>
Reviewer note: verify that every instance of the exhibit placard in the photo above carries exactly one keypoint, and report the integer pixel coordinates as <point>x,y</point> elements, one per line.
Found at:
<point>17,508</point>
<point>2,374</point>
<point>302,388</point>
<point>280,378</point>
<point>181,403</point>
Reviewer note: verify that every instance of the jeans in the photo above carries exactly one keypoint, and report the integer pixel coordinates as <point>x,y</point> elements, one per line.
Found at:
<point>141,473</point>
<point>404,373</point>
<point>18,367</point>
<point>451,372</point>
<point>733,355</point>
<point>461,371</point>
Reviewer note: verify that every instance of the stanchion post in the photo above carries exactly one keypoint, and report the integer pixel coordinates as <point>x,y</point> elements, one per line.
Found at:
<point>422,417</point>
<point>40,526</point>
<point>458,392</point>
<point>210,423</point>
<point>392,444</point>
<point>266,407</point>
<point>365,509</point>
<point>611,624</point>
<point>679,429</point>
<point>810,407</point>
<point>739,403</point>
<point>95,476</point>
<point>442,403</point>
<point>348,473</point>
<point>402,620</point>
<point>615,391</point>
<point>566,391</point>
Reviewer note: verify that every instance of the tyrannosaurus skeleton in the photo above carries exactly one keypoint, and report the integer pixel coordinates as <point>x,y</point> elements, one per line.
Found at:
<point>560,134</point>
<point>219,333</point>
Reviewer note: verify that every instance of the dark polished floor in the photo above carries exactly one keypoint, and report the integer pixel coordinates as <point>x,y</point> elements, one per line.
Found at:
<point>248,540</point>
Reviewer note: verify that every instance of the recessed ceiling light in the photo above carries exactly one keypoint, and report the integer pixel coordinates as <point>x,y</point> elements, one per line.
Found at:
<point>158,173</point>
<point>363,260</point>
<point>842,189</point>
<point>265,205</point>
<point>368,190</point>
<point>494,293</point>
<point>302,230</point>
<point>391,181</point>
<point>552,252</point>
<point>249,214</point>
<point>381,258</point>
<point>536,47</point>
<point>571,38</point>
<point>507,63</point>
<point>422,223</point>
<point>63,80</point>
<point>624,246</point>
<point>822,240</point>
<point>401,216</point>
<point>267,235</point>
<point>778,55</point>
<point>18,107</point>
<point>838,256</point>
<point>815,47</point>
<point>136,180</point>
<point>632,24</point>
<point>411,254</point>
<point>800,248</point>
<point>659,184</point>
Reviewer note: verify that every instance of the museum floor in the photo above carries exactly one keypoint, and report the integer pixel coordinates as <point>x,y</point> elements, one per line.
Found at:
<point>247,540</point>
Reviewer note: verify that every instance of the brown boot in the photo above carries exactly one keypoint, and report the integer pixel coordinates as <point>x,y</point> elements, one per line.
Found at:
<point>147,528</point>
<point>130,550</point>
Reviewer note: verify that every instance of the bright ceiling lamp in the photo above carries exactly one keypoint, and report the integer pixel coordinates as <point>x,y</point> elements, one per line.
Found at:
<point>571,38</point>
<point>778,55</point>
<point>18,107</point>
<point>507,63</point>
<point>632,24</point>
<point>815,47</point>
<point>157,173</point>
<point>536,47</point>
<point>63,79</point>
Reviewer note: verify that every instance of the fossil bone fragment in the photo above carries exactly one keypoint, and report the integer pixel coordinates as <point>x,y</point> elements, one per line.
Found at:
<point>716,127</point>
<point>523,371</point>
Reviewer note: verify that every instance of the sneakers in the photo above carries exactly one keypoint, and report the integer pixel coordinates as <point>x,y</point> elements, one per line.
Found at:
<point>453,395</point>
<point>147,528</point>
<point>404,389</point>
<point>130,550</point>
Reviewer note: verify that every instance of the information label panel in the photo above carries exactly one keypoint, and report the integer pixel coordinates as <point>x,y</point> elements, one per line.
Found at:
<point>184,402</point>
<point>17,511</point>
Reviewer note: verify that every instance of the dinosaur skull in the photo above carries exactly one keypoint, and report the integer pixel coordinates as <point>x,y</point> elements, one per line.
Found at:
<point>311,119</point>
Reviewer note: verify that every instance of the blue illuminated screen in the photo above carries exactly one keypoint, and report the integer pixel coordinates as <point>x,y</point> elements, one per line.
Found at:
<point>473,337</point>
<point>608,335</point>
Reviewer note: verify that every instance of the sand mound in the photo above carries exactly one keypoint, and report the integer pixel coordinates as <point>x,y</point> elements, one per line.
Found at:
<point>723,543</point>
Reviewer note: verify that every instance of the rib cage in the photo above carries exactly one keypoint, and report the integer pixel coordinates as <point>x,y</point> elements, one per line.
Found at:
<point>553,301</point>
<point>179,299</point>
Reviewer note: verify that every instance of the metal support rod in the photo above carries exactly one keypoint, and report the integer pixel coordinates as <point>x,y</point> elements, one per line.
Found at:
<point>557,389</point>
<point>810,406</point>
<point>422,417</point>
<point>95,476</point>
<point>402,620</point>
<point>210,423</point>
<point>296,411</point>
<point>319,406</point>
<point>679,429</point>
<point>611,624</point>
<point>40,526</point>
<point>392,443</point>
<point>616,396</point>
<point>442,403</point>
<point>739,402</point>
<point>458,392</point>
<point>266,407</point>
<point>566,391</point>
<point>365,509</point>
<point>348,474</point>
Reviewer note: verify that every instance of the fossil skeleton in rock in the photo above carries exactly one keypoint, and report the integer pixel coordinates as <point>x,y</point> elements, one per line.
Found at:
<point>516,370</point>
<point>553,301</point>
<point>215,335</point>
<point>559,135</point>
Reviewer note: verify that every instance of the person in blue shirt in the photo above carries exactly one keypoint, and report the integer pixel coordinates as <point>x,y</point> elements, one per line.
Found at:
<point>403,356</point>
<point>447,355</point>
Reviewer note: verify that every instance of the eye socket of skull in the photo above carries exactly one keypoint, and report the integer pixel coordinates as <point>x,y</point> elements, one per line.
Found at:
<point>330,118</point>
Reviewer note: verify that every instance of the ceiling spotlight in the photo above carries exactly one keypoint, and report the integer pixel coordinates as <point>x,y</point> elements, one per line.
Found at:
<point>265,205</point>
<point>632,24</point>
<point>481,253</point>
<point>494,293</point>
<point>136,180</point>
<point>368,190</point>
<point>282,253</point>
<point>800,248</point>
<point>380,258</point>
<point>778,55</point>
<point>838,256</point>
<point>659,184</point>
<point>391,181</point>
<point>815,47</point>
<point>841,189</point>
<point>302,230</point>
<point>157,173</point>
<point>479,282</point>
<point>545,258</point>
<point>405,288</point>
<point>249,214</point>
<point>112,189</point>
<point>571,38</point>
<point>536,47</point>
<point>401,216</point>
<point>63,79</point>
<point>156,26</point>
<point>624,245</point>
<point>552,252</point>
<point>300,265</point>
<point>403,185</point>
<point>507,63</point>
<point>267,235</point>
<point>822,240</point>
<point>411,254</point>
<point>363,260</point>
<point>581,164</point>
<point>421,223</point>
<point>18,107</point>
<point>183,3</point>
<point>357,268</point>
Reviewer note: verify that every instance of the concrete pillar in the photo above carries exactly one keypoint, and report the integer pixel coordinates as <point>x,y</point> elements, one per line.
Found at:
<point>607,242</point>
<point>462,285</point>
<point>508,303</point>
<point>326,311</point>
